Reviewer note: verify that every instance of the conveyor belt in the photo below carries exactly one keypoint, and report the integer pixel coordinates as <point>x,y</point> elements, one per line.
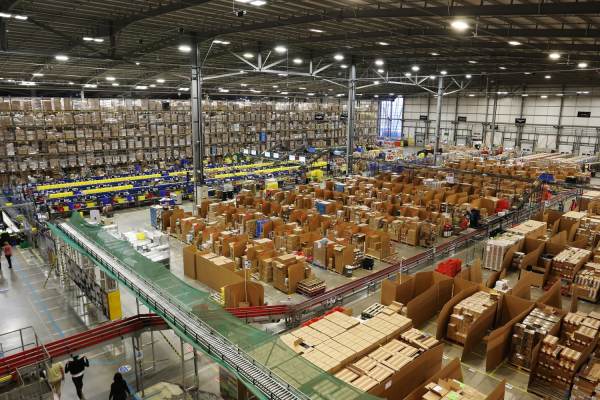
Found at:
<point>191,327</point>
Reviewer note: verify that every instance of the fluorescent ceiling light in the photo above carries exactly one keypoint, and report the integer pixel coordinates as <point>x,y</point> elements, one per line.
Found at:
<point>222,90</point>
<point>471,95</point>
<point>297,61</point>
<point>310,94</point>
<point>301,88</point>
<point>502,68</point>
<point>243,84</point>
<point>27,83</point>
<point>243,1</point>
<point>548,76</point>
<point>559,94</point>
<point>184,89</point>
<point>432,77</point>
<point>543,96</point>
<point>524,95</point>
<point>459,25</point>
<point>514,43</point>
<point>343,66</point>
<point>583,92</point>
<point>316,30</point>
<point>248,55</point>
<point>407,74</point>
<point>280,49</point>
<point>37,74</point>
<point>502,92</point>
<point>338,57</point>
<point>582,65</point>
<point>160,80</point>
<point>61,57</point>
<point>435,54</point>
<point>282,75</point>
<point>285,92</point>
<point>415,68</point>
<point>115,84</point>
<point>380,71</point>
<point>554,56</point>
<point>184,48</point>
<point>340,95</point>
<point>392,94</point>
<point>90,85</point>
<point>5,15</point>
<point>21,17</point>
<point>527,73</point>
<point>258,3</point>
<point>275,86</point>
<point>443,72</point>
<point>71,83</point>
<point>98,40</point>
<point>383,43</point>
<point>137,63</point>
<point>472,62</point>
<point>88,39</point>
<point>376,96</point>
<point>141,87</point>
<point>223,42</point>
<point>376,83</point>
<point>153,85</point>
<point>379,62</point>
<point>110,78</point>
<point>468,76</point>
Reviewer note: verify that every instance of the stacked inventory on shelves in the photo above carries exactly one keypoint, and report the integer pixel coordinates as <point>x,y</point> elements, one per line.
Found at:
<point>556,364</point>
<point>451,389</point>
<point>580,329</point>
<point>569,261</point>
<point>53,134</point>
<point>588,281</point>
<point>587,383</point>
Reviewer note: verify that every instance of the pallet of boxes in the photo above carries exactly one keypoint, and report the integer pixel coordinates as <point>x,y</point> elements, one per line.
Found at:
<point>481,306</point>
<point>382,355</point>
<point>566,265</point>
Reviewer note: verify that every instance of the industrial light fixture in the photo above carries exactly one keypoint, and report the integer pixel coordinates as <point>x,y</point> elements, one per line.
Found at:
<point>407,74</point>
<point>71,83</point>
<point>137,63</point>
<point>514,43</point>
<point>223,42</point>
<point>184,48</point>
<point>459,25</point>
<point>284,93</point>
<point>141,87</point>
<point>21,17</point>
<point>543,96</point>
<point>392,94</point>
<point>282,75</point>
<point>376,83</point>
<point>27,83</point>
<point>554,56</point>
<point>243,84</point>
<point>471,95</point>
<point>435,54</point>
<point>559,94</point>
<point>110,78</point>
<point>582,65</point>
<point>524,95</point>
<point>93,39</point>
<point>432,77</point>
<point>115,84</point>
<point>527,73</point>
<point>160,80</point>
<point>222,90</point>
<point>90,85</point>
<point>184,89</point>
<point>275,86</point>
<point>297,61</point>
<point>340,95</point>
<point>258,3</point>
<point>502,92</point>
<point>502,68</point>
<point>248,55</point>
<point>415,68</point>
<point>38,74</point>
<point>548,76</point>
<point>380,71</point>
<point>310,94</point>
<point>338,57</point>
<point>152,85</point>
<point>344,66</point>
<point>383,43</point>
<point>61,57</point>
<point>301,88</point>
<point>376,96</point>
<point>468,76</point>
<point>316,30</point>
<point>472,62</point>
<point>5,15</point>
<point>443,72</point>
<point>379,62</point>
<point>280,49</point>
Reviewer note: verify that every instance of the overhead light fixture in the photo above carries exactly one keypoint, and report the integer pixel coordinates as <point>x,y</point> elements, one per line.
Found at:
<point>554,56</point>
<point>392,94</point>
<point>222,90</point>
<point>310,94</point>
<point>514,43</point>
<point>380,71</point>
<point>21,17</point>
<point>93,39</point>
<point>472,62</point>
<point>543,96</point>
<point>343,66</point>
<point>258,3</point>
<point>71,83</point>
<point>582,65</point>
<point>137,63</point>
<point>559,94</point>
<point>415,68</point>
<point>115,84</point>
<point>338,57</point>
<point>407,74</point>
<point>502,92</point>
<point>110,78</point>
<point>432,77</point>
<point>90,85</point>
<point>301,88</point>
<point>376,96</point>
<point>37,74</point>
<point>280,49</point>
<point>223,42</point>
<point>184,89</point>
<point>379,62</point>
<point>316,30</point>
<point>502,68</point>
<point>471,95</point>
<point>547,76</point>
<point>284,93</point>
<point>160,80</point>
<point>443,72</point>
<point>184,48</point>
<point>248,55</point>
<point>27,83</point>
<point>255,91</point>
<point>435,54</point>
<point>527,73</point>
<point>340,95</point>
<point>459,25</point>
<point>383,43</point>
<point>282,75</point>
<point>275,86</point>
<point>524,95</point>
<point>152,85</point>
<point>141,87</point>
<point>297,61</point>
<point>5,15</point>
<point>61,57</point>
<point>376,83</point>
<point>243,84</point>
<point>468,76</point>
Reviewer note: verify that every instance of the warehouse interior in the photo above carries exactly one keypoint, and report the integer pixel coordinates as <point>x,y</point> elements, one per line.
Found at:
<point>271,199</point>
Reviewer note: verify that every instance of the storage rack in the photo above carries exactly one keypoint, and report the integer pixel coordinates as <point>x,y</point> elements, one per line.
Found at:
<point>190,326</point>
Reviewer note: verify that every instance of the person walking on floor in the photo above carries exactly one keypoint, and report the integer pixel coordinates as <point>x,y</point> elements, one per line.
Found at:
<point>7,249</point>
<point>76,366</point>
<point>119,389</point>
<point>55,376</point>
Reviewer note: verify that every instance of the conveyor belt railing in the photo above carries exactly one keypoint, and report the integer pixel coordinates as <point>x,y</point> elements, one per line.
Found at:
<point>188,325</point>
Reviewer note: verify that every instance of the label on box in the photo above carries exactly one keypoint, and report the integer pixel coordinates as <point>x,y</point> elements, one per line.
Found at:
<point>388,384</point>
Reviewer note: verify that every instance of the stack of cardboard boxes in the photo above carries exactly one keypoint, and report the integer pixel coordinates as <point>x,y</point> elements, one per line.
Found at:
<point>556,365</point>
<point>528,333</point>
<point>496,248</point>
<point>567,263</point>
<point>586,385</point>
<point>587,281</point>
<point>469,310</point>
<point>451,389</point>
<point>580,329</point>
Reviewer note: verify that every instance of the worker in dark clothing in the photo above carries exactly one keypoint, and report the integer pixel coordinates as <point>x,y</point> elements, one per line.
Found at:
<point>76,366</point>
<point>119,389</point>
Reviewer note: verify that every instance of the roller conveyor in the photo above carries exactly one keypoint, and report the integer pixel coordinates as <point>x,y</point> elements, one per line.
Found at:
<point>190,326</point>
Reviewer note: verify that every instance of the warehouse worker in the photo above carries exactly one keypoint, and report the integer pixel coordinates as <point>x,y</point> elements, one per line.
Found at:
<point>7,250</point>
<point>55,376</point>
<point>119,389</point>
<point>76,367</point>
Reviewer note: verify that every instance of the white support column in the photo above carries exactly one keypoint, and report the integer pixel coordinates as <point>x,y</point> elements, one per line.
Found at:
<point>351,118</point>
<point>197,124</point>
<point>438,122</point>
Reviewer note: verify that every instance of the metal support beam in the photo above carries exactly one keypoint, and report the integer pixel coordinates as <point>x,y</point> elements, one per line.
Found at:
<point>351,118</point>
<point>520,127</point>
<point>455,119</point>
<point>438,122</point>
<point>197,124</point>
<point>560,117</point>
<point>494,118</point>
<point>135,364</point>
<point>487,111</point>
